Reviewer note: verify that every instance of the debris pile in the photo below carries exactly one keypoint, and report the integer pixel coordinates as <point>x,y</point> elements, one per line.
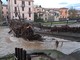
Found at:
<point>24,30</point>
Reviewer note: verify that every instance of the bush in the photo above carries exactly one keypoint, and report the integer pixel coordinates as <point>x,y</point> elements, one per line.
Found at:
<point>39,20</point>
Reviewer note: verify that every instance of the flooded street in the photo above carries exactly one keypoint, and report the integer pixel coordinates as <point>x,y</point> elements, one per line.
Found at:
<point>8,43</point>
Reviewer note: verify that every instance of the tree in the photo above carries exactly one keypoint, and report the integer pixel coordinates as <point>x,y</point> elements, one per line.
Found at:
<point>37,19</point>
<point>35,16</point>
<point>72,14</point>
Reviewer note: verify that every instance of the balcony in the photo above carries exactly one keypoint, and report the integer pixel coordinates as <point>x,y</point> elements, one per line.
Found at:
<point>23,5</point>
<point>29,12</point>
<point>16,12</point>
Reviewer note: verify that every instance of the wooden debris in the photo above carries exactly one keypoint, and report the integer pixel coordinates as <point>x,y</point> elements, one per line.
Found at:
<point>24,30</point>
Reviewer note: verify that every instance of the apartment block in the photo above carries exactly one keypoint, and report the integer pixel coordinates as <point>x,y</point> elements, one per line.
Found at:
<point>21,8</point>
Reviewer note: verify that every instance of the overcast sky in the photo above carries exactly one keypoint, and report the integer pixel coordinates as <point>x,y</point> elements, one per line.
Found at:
<point>56,3</point>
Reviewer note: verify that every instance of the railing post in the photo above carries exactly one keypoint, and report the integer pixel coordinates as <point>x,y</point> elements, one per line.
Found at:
<point>28,57</point>
<point>24,55</point>
<point>16,53</point>
<point>20,53</point>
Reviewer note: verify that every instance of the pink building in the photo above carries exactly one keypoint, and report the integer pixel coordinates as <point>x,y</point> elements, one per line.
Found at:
<point>63,13</point>
<point>5,11</point>
<point>24,8</point>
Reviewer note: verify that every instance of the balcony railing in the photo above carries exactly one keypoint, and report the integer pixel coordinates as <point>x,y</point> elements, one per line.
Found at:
<point>29,12</point>
<point>23,5</point>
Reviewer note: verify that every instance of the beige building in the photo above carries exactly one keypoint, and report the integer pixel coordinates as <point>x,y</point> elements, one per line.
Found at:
<point>47,14</point>
<point>53,14</point>
<point>4,11</point>
<point>39,11</point>
<point>38,8</point>
<point>23,8</point>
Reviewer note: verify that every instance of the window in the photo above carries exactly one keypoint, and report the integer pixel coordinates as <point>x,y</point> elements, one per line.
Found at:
<point>23,2</point>
<point>15,14</point>
<point>65,12</point>
<point>22,15</point>
<point>29,12</point>
<point>2,12</point>
<point>29,19</point>
<point>7,12</point>
<point>15,1</point>
<point>15,9</point>
<point>6,7</point>
<point>22,8</point>
<point>29,3</point>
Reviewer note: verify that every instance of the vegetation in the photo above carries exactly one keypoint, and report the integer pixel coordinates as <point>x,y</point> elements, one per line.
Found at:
<point>58,22</point>
<point>66,28</point>
<point>8,57</point>
<point>73,14</point>
<point>37,19</point>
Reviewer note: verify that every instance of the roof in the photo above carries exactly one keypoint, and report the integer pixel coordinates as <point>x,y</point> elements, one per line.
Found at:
<point>4,5</point>
<point>63,8</point>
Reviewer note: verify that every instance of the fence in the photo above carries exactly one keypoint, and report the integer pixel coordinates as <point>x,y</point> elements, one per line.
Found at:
<point>21,54</point>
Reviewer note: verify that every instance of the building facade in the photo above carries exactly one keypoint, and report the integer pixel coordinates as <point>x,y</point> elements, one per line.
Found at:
<point>56,15</point>
<point>21,8</point>
<point>53,14</point>
<point>4,11</point>
<point>39,11</point>
<point>45,16</point>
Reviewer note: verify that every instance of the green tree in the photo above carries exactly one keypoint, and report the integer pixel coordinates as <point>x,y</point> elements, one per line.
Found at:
<point>37,19</point>
<point>35,16</point>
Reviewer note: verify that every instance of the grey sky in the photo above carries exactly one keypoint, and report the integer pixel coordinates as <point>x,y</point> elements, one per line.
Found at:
<point>55,3</point>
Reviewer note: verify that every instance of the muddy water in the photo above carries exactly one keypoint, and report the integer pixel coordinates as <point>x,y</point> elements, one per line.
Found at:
<point>8,42</point>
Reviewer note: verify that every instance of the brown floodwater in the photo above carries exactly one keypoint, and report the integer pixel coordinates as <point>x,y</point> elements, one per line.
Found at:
<point>8,43</point>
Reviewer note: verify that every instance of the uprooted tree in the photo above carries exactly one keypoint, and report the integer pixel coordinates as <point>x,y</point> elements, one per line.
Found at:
<point>24,30</point>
